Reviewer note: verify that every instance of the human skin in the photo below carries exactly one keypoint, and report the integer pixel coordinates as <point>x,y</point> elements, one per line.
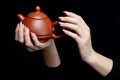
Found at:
<point>81,34</point>
<point>31,42</point>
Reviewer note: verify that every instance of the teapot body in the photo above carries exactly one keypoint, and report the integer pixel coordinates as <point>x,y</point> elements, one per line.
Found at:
<point>40,24</point>
<point>43,28</point>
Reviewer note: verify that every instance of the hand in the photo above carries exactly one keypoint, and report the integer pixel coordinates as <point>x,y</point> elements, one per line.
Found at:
<point>24,36</point>
<point>81,32</point>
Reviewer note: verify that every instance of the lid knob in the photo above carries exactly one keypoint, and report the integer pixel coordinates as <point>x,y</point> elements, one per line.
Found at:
<point>37,8</point>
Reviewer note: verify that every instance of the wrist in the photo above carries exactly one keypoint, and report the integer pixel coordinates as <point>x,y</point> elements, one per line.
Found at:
<point>100,63</point>
<point>49,46</point>
<point>91,58</point>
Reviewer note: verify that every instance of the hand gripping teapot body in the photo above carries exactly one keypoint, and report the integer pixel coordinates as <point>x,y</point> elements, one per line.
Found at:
<point>40,24</point>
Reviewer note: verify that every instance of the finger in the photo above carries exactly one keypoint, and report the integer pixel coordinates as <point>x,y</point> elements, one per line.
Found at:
<point>72,27</point>
<point>69,20</point>
<point>78,19</point>
<point>16,32</point>
<point>28,41</point>
<point>73,35</point>
<point>35,40</point>
<point>71,14</point>
<point>20,33</point>
<point>39,44</point>
<point>29,49</point>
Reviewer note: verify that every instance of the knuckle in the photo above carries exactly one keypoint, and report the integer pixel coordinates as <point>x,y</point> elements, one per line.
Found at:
<point>38,45</point>
<point>28,45</point>
<point>77,28</point>
<point>21,41</point>
<point>80,17</point>
<point>75,37</point>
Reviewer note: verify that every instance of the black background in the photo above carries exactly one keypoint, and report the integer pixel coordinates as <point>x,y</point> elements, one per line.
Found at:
<point>102,16</point>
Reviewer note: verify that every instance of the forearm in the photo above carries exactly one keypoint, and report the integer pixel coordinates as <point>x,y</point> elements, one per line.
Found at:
<point>51,56</point>
<point>100,63</point>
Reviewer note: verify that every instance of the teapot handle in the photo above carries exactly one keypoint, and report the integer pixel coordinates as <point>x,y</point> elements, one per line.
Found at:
<point>54,35</point>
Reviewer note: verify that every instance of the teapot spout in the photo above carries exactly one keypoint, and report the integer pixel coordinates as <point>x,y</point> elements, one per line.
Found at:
<point>20,16</point>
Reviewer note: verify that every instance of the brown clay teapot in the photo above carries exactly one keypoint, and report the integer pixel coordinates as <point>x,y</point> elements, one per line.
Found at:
<point>40,24</point>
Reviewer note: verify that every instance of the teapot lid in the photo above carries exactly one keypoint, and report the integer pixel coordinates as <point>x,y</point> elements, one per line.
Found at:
<point>37,14</point>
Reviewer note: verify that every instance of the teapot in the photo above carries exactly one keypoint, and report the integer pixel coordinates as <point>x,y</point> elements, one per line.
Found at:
<point>40,24</point>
